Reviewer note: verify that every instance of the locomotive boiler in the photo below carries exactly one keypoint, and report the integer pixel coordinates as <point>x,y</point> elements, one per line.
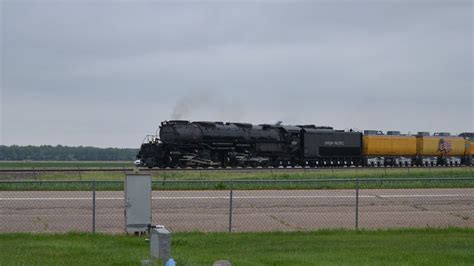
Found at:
<point>183,143</point>
<point>201,143</point>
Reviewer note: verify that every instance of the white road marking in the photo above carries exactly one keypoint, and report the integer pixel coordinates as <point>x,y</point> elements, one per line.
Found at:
<point>418,196</point>
<point>60,215</point>
<point>250,197</point>
<point>13,199</point>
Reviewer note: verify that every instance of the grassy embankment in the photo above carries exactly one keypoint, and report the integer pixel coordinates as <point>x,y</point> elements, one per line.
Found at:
<point>225,179</point>
<point>396,247</point>
<point>64,164</point>
<point>241,185</point>
<point>244,174</point>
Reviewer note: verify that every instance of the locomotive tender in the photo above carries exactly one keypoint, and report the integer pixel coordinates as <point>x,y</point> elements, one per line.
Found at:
<point>183,143</point>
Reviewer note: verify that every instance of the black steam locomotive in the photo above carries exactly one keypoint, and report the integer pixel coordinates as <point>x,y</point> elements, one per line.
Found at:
<point>202,144</point>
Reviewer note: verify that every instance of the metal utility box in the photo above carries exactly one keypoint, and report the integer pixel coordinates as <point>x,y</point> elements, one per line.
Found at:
<point>137,198</point>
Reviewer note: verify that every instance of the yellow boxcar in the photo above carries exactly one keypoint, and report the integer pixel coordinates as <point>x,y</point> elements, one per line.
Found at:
<point>469,147</point>
<point>386,145</point>
<point>440,146</point>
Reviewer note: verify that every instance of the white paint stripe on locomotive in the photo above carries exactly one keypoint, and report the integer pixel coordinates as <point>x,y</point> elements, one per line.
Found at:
<point>254,197</point>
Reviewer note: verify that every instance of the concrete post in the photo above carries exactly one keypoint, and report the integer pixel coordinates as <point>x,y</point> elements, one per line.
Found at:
<point>160,244</point>
<point>222,263</point>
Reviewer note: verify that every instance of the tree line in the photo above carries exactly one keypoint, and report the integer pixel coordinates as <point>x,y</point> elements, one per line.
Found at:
<point>65,153</point>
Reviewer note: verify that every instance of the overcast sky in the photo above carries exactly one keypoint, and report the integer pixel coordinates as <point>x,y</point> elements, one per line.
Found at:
<point>107,73</point>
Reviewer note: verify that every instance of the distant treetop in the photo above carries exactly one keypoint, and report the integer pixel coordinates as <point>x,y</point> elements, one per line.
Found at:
<point>65,153</point>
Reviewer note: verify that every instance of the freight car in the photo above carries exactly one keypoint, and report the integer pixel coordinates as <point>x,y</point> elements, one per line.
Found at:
<point>183,143</point>
<point>469,147</point>
<point>392,149</point>
<point>423,149</point>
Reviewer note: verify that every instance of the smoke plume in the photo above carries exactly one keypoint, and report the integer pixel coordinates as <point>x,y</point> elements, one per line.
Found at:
<point>207,105</point>
<point>188,103</point>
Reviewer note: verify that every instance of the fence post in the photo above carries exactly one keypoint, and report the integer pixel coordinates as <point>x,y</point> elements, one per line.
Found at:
<point>357,205</point>
<point>93,206</point>
<point>230,209</point>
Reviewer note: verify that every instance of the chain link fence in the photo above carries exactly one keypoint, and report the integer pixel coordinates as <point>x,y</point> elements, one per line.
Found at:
<point>241,206</point>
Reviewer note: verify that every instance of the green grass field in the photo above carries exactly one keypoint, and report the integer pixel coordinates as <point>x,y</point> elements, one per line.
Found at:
<point>263,174</point>
<point>386,183</point>
<point>396,247</point>
<point>221,179</point>
<point>64,164</point>
<point>248,179</point>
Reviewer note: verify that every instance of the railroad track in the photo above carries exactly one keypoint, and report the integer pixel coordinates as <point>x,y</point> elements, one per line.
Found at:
<point>37,170</point>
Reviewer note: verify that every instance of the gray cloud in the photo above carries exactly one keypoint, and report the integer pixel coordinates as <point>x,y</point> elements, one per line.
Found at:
<point>105,74</point>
